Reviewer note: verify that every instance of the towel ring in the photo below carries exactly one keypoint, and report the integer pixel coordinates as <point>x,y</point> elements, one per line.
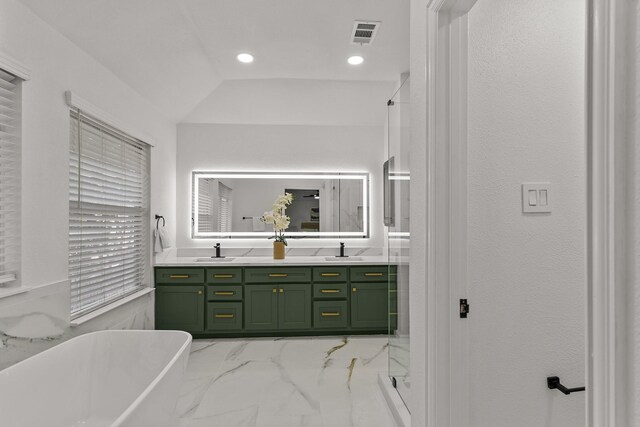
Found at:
<point>158,218</point>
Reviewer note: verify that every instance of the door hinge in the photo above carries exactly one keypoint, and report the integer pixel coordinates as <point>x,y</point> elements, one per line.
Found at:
<point>464,308</point>
<point>394,383</point>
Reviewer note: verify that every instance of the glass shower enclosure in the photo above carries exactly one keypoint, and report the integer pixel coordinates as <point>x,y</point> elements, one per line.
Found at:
<point>396,217</point>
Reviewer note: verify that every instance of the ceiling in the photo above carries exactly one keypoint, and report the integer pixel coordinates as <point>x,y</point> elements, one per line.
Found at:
<point>177,52</point>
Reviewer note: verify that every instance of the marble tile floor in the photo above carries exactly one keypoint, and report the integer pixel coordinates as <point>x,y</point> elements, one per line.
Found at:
<point>281,382</point>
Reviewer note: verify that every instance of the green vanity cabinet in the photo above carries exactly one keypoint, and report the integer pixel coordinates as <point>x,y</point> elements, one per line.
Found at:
<point>224,275</point>
<point>272,307</point>
<point>330,314</point>
<point>224,316</point>
<point>277,275</point>
<point>370,297</point>
<point>369,305</point>
<point>330,274</point>
<point>180,307</point>
<point>294,306</point>
<point>261,307</point>
<point>237,301</point>
<point>179,275</point>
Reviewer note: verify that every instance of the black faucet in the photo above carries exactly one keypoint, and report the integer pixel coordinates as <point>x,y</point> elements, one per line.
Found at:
<point>217,248</point>
<point>342,255</point>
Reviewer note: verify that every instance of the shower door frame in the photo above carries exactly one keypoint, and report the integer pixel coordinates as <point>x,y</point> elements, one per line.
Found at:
<point>441,351</point>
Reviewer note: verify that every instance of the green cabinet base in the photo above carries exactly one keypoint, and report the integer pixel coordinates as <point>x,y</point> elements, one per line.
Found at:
<point>219,302</point>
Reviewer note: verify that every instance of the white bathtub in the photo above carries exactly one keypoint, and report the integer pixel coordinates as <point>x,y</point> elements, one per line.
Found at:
<point>107,378</point>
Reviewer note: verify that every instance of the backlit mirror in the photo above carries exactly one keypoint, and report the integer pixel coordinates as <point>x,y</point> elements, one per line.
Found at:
<point>325,205</point>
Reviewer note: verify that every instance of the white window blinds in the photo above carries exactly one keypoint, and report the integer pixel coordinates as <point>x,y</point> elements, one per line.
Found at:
<point>224,207</point>
<point>10,162</point>
<point>108,214</point>
<point>205,205</point>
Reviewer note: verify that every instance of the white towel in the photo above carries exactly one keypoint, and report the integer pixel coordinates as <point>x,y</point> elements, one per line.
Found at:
<point>258,224</point>
<point>157,246</point>
<point>163,236</point>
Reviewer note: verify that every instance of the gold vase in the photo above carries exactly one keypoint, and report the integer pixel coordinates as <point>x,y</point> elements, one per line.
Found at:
<point>278,250</point>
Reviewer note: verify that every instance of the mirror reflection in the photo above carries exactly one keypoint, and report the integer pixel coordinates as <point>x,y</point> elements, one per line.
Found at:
<point>324,204</point>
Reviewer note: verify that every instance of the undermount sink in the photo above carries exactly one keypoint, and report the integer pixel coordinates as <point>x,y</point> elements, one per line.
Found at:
<point>213,259</point>
<point>349,258</point>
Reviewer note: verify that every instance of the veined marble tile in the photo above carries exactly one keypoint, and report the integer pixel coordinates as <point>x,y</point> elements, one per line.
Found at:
<point>319,381</point>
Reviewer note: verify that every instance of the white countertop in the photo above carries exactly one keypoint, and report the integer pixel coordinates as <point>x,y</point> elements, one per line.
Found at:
<point>241,261</point>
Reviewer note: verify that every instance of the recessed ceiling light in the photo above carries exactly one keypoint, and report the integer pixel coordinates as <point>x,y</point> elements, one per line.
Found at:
<point>355,60</point>
<point>245,57</point>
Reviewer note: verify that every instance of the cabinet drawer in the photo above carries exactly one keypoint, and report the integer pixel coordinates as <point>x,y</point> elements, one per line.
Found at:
<point>224,275</point>
<point>278,275</point>
<point>224,293</point>
<point>330,314</point>
<point>374,273</point>
<point>330,274</point>
<point>330,290</point>
<point>179,275</point>
<point>224,316</point>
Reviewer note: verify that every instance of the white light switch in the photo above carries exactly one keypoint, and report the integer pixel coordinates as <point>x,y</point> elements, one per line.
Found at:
<point>535,197</point>
<point>543,198</point>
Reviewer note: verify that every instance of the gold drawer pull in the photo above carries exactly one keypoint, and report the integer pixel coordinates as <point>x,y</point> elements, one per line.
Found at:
<point>222,276</point>
<point>275,290</point>
<point>329,274</point>
<point>374,274</point>
<point>281,291</point>
<point>224,316</point>
<point>330,291</point>
<point>179,276</point>
<point>224,293</point>
<point>354,289</point>
<point>330,314</point>
<point>278,274</point>
<point>199,292</point>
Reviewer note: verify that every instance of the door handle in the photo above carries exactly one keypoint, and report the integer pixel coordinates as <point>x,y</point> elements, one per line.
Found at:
<point>554,383</point>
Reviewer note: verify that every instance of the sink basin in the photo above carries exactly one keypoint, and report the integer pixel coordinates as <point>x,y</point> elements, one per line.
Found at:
<point>350,258</point>
<point>212,259</point>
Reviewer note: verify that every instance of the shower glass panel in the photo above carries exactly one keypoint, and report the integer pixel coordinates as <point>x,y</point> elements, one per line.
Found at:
<point>397,180</point>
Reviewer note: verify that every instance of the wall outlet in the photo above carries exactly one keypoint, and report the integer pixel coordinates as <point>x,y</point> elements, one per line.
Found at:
<point>536,197</point>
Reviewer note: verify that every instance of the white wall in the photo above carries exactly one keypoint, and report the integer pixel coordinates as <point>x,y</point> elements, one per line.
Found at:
<point>295,102</point>
<point>229,147</point>
<point>527,272</point>
<point>633,209</point>
<point>57,65</point>
<point>418,214</point>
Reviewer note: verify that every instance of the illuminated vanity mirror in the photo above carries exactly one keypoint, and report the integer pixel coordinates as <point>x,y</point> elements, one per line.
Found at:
<point>325,205</point>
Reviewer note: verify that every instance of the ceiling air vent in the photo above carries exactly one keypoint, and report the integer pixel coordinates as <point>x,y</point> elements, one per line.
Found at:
<point>364,31</point>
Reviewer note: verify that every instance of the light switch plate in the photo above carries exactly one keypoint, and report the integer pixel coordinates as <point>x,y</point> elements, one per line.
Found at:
<point>536,197</point>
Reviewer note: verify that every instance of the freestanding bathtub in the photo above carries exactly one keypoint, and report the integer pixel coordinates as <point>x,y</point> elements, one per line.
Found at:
<point>107,378</point>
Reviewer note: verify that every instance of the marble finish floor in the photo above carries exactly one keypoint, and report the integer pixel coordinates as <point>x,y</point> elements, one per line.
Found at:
<point>318,381</point>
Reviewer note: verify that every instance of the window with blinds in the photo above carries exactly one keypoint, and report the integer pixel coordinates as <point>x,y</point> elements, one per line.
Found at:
<point>224,207</point>
<point>108,214</point>
<point>10,166</point>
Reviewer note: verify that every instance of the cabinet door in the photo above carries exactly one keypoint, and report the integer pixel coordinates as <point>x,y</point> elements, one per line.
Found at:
<point>294,306</point>
<point>261,307</point>
<point>369,305</point>
<point>180,307</point>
